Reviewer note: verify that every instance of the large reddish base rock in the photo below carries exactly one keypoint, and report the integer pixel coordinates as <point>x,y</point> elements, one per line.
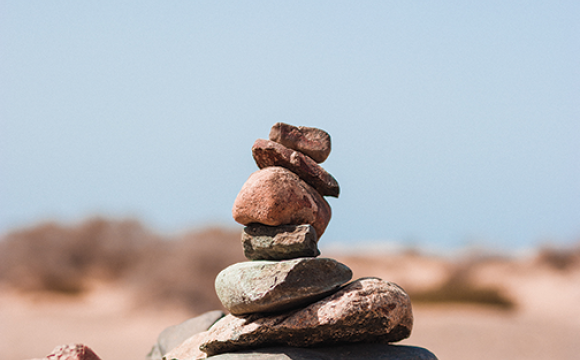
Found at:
<point>368,310</point>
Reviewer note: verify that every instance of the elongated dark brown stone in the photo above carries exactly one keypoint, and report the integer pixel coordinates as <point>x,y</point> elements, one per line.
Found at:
<point>269,153</point>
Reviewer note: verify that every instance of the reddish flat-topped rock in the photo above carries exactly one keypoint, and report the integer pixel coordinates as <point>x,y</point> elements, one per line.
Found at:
<point>269,153</point>
<point>276,196</point>
<point>310,141</point>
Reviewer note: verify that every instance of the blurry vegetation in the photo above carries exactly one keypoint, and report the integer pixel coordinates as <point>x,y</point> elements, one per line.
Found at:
<point>180,271</point>
<point>55,258</point>
<point>67,259</point>
<point>562,259</point>
<point>459,288</point>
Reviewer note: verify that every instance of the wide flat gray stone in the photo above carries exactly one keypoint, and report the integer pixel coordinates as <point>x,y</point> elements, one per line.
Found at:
<point>343,352</point>
<point>272,286</point>
<point>262,242</point>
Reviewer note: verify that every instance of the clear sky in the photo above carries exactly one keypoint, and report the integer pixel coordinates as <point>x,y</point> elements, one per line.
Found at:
<point>452,122</point>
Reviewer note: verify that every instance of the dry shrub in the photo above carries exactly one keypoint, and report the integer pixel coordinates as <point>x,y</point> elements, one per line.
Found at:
<point>562,259</point>
<point>461,288</point>
<point>161,272</point>
<point>182,271</point>
<point>52,257</point>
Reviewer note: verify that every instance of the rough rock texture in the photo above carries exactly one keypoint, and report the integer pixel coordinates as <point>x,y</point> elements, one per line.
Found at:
<point>189,349</point>
<point>269,153</point>
<point>262,242</point>
<point>276,196</point>
<point>72,352</point>
<point>310,141</point>
<point>174,335</point>
<point>342,352</point>
<point>368,310</point>
<point>274,286</point>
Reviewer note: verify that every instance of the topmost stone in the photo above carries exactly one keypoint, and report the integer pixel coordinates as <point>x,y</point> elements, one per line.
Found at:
<point>310,141</point>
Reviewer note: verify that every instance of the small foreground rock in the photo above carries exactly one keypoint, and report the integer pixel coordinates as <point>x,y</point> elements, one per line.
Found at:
<point>262,242</point>
<point>72,352</point>
<point>273,286</point>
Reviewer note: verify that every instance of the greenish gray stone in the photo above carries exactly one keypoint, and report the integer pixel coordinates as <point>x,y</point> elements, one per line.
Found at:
<point>262,242</point>
<point>274,286</point>
<point>344,352</point>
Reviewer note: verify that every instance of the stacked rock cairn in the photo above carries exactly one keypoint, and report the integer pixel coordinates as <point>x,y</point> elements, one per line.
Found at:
<point>286,295</point>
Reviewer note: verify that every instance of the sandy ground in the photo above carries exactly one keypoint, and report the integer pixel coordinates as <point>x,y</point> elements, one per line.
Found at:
<point>469,333</point>
<point>105,320</point>
<point>545,324</point>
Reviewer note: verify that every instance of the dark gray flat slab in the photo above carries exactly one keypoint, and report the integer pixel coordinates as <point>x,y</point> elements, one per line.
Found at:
<point>342,352</point>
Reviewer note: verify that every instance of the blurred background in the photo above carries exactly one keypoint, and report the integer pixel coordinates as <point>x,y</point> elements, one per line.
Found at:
<point>126,131</point>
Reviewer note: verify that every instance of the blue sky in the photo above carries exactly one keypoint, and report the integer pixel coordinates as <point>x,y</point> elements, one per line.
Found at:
<point>452,123</point>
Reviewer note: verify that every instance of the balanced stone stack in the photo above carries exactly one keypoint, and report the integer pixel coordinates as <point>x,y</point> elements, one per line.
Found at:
<point>285,213</point>
<point>286,295</point>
